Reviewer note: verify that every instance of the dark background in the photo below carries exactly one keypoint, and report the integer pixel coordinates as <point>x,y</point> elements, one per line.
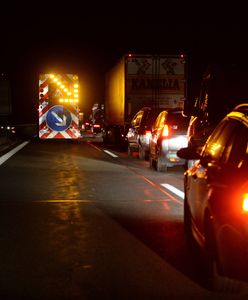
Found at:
<point>77,37</point>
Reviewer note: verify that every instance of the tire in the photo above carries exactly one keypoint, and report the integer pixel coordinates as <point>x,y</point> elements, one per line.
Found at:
<point>142,153</point>
<point>161,165</point>
<point>151,162</point>
<point>214,275</point>
<point>129,151</point>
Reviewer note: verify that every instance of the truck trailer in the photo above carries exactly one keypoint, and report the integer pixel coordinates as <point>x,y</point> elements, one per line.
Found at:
<point>138,81</point>
<point>58,106</point>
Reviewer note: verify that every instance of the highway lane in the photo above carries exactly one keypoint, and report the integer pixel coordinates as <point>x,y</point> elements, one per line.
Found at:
<point>78,223</point>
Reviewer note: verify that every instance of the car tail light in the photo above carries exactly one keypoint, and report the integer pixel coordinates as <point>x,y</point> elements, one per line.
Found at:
<point>148,134</point>
<point>165,132</point>
<point>96,126</point>
<point>245,203</point>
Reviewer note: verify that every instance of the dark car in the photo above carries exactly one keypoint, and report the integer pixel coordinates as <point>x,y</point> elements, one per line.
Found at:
<point>139,132</point>
<point>216,198</point>
<point>168,136</point>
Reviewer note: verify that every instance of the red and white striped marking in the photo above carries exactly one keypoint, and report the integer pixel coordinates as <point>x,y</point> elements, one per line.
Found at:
<point>44,105</point>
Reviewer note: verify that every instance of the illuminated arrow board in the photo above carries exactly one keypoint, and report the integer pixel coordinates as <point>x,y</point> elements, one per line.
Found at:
<point>66,93</point>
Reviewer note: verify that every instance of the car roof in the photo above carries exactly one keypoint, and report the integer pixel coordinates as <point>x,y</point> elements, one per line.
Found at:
<point>240,112</point>
<point>242,108</point>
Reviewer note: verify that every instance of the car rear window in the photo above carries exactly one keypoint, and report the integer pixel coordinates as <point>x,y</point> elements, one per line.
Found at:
<point>177,122</point>
<point>151,117</point>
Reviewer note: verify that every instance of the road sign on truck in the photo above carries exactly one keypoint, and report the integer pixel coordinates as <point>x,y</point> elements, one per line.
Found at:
<point>58,106</point>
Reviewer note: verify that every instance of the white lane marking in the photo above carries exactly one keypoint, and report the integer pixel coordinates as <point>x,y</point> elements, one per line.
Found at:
<point>110,153</point>
<point>12,152</point>
<point>173,190</point>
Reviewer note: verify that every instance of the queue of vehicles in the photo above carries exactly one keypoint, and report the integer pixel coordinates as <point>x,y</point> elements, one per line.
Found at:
<point>146,109</point>
<point>212,134</point>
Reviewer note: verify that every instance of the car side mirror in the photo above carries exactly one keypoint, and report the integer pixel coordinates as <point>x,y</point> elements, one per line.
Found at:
<point>189,153</point>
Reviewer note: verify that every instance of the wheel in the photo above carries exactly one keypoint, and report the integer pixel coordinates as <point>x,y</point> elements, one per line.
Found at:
<point>129,151</point>
<point>216,279</point>
<point>161,165</point>
<point>142,153</point>
<point>151,162</point>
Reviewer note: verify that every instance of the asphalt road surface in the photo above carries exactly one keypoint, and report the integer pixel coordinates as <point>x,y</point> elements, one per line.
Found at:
<point>80,222</point>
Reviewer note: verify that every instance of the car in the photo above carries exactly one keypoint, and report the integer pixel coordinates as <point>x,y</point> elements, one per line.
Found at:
<point>139,131</point>
<point>169,134</point>
<point>216,199</point>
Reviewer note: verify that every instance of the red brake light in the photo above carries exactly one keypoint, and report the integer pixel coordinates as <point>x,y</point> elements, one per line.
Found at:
<point>165,131</point>
<point>245,203</point>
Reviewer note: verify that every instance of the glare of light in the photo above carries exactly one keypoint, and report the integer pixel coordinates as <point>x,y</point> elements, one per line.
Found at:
<point>66,100</point>
<point>148,134</point>
<point>75,90</point>
<point>55,79</point>
<point>61,100</point>
<point>52,76</point>
<point>71,100</point>
<point>75,95</point>
<point>58,83</point>
<point>69,93</point>
<point>165,132</point>
<point>62,86</point>
<point>214,148</point>
<point>76,100</point>
<point>66,90</point>
<point>245,203</point>
<point>75,86</point>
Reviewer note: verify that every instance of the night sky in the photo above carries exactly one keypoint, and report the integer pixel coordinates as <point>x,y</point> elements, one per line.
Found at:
<point>88,39</point>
